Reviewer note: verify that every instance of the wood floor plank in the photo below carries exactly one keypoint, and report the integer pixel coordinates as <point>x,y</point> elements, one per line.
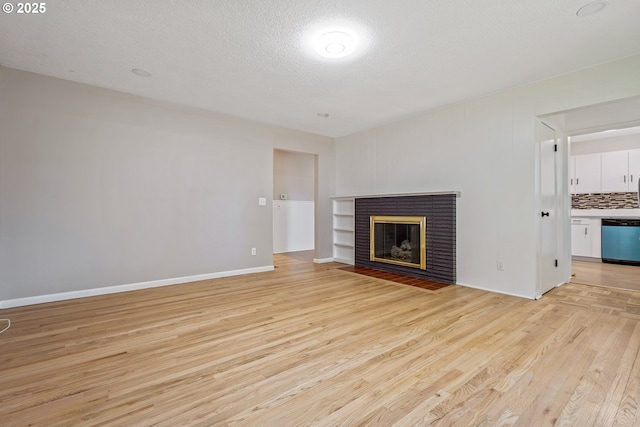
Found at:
<point>312,344</point>
<point>628,408</point>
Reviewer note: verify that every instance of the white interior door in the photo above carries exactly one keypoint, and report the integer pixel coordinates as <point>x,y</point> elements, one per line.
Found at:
<point>549,215</point>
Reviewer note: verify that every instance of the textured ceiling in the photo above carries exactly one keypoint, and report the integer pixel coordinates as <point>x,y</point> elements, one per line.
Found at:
<point>247,57</point>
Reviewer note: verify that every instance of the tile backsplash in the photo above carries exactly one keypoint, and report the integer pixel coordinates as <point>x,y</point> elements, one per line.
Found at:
<point>605,201</point>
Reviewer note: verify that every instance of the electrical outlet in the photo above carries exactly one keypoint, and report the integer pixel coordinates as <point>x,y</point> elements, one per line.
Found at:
<point>500,265</point>
<point>253,251</point>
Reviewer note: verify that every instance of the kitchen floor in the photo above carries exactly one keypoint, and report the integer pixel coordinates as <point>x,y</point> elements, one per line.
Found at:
<point>606,275</point>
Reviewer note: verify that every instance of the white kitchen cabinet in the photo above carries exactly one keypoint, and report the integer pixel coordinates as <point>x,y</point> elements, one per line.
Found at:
<point>580,237</point>
<point>615,171</point>
<point>585,237</point>
<point>634,169</point>
<point>620,170</point>
<point>610,172</point>
<point>572,175</point>
<point>587,171</point>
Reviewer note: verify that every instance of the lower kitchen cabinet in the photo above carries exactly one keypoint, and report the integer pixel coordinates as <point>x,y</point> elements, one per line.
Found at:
<point>585,237</point>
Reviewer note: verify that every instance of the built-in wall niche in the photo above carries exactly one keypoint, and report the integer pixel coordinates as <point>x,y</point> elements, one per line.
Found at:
<point>343,230</point>
<point>439,213</point>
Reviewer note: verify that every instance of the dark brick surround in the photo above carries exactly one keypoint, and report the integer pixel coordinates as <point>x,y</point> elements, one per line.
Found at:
<point>440,211</point>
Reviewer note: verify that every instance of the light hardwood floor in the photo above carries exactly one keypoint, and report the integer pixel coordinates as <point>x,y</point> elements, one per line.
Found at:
<point>608,275</point>
<point>314,345</point>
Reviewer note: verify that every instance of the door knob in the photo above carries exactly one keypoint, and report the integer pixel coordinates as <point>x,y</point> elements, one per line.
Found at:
<point>545,214</point>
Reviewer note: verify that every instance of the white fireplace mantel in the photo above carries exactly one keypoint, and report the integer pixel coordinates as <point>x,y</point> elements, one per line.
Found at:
<point>366,196</point>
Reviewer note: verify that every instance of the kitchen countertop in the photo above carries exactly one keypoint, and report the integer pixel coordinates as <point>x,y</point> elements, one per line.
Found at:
<point>605,213</point>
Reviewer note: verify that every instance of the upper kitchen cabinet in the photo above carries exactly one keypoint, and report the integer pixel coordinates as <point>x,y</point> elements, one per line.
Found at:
<point>634,169</point>
<point>615,171</point>
<point>585,177</point>
<point>620,170</point>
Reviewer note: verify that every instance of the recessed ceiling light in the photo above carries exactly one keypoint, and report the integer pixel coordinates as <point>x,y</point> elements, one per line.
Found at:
<point>140,72</point>
<point>591,8</point>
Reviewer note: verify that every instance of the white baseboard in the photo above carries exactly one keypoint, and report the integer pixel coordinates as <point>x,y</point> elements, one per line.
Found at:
<point>495,291</point>
<point>585,258</point>
<point>40,299</point>
<point>322,260</point>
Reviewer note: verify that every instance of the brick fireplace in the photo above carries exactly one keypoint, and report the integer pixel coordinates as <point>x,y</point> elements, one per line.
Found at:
<point>400,248</point>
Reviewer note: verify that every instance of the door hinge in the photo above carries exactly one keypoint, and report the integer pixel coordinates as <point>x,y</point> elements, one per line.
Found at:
<point>555,147</point>
<point>556,263</point>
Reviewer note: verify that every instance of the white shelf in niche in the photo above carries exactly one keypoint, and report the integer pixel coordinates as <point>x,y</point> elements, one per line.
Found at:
<point>343,238</point>
<point>343,207</point>
<point>344,223</point>
<point>343,230</point>
<point>343,255</point>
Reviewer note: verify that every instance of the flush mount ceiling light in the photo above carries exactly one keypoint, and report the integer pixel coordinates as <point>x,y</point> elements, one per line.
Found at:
<point>335,44</point>
<point>140,72</point>
<point>591,8</point>
<point>335,41</point>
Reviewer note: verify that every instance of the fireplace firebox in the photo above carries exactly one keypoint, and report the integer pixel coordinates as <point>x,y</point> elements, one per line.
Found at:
<point>399,240</point>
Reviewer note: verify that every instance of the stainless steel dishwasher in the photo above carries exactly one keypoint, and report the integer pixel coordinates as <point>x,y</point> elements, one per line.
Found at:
<point>621,240</point>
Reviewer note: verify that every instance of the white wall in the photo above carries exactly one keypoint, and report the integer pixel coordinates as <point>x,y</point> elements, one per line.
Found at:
<point>486,149</point>
<point>293,175</point>
<point>99,188</point>
<point>293,226</point>
<point>604,145</point>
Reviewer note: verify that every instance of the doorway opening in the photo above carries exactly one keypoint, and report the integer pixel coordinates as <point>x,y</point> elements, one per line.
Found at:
<point>294,202</point>
<point>578,132</point>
